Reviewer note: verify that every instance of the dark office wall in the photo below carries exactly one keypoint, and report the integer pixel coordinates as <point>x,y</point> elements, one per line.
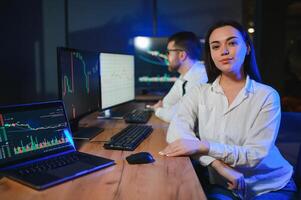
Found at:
<point>54,35</point>
<point>110,26</point>
<point>107,26</point>
<point>270,41</point>
<point>195,15</point>
<point>20,39</point>
<point>32,29</point>
<point>277,41</point>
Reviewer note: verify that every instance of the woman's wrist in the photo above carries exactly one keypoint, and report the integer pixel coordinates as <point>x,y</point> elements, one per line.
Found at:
<point>215,164</point>
<point>204,147</point>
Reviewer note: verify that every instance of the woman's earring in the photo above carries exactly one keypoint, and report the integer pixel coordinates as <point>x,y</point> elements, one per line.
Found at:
<point>248,51</point>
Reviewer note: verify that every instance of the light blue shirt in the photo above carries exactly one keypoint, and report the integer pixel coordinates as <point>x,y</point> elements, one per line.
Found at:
<point>241,135</point>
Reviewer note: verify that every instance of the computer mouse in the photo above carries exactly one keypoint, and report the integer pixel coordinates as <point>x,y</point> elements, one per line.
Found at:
<point>140,158</point>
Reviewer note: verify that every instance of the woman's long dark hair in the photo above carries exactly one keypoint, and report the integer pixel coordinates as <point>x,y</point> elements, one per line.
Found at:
<point>249,65</point>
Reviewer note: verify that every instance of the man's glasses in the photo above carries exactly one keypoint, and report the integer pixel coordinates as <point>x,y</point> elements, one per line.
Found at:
<point>170,50</point>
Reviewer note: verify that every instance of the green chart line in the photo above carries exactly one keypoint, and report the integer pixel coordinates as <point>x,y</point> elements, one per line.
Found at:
<point>3,133</point>
<point>67,85</point>
<point>80,57</point>
<point>8,151</point>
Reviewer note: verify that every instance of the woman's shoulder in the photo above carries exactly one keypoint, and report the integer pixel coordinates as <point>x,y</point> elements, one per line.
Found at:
<point>264,89</point>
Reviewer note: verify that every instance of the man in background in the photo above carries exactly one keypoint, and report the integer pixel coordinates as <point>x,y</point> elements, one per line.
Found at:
<point>183,53</point>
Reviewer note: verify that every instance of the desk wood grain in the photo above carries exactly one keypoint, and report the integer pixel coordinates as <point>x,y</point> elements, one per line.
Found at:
<point>166,178</point>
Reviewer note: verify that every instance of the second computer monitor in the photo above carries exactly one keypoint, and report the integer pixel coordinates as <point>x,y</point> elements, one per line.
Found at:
<point>117,79</point>
<point>79,88</point>
<point>78,81</point>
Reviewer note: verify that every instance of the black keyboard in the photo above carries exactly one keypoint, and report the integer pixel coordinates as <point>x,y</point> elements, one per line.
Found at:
<point>49,164</point>
<point>129,138</point>
<point>138,116</point>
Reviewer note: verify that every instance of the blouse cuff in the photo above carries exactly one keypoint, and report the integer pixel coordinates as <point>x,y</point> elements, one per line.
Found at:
<point>216,150</point>
<point>206,160</point>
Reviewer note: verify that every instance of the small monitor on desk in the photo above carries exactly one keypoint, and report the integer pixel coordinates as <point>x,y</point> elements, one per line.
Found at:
<point>117,82</point>
<point>79,87</point>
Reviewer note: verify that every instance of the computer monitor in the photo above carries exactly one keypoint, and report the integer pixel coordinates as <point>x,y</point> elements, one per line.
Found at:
<point>151,66</point>
<point>117,79</point>
<point>79,87</point>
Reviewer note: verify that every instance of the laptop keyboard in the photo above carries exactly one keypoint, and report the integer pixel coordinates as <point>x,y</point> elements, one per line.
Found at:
<point>138,116</point>
<point>49,164</point>
<point>129,138</point>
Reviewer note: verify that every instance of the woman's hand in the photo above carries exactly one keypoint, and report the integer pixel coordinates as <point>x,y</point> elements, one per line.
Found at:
<point>185,147</point>
<point>159,104</point>
<point>235,179</point>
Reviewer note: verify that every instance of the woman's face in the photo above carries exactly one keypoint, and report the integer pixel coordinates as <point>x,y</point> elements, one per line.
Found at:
<point>228,50</point>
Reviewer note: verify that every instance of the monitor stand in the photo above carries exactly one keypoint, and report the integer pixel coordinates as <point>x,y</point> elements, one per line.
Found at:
<point>111,114</point>
<point>118,112</point>
<point>86,133</point>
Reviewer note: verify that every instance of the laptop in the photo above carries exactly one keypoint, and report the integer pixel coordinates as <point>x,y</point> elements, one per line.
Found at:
<point>37,149</point>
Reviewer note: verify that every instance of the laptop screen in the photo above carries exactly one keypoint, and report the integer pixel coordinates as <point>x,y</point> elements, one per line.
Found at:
<point>33,131</point>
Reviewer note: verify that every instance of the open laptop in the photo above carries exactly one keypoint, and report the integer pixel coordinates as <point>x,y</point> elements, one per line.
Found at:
<point>37,149</point>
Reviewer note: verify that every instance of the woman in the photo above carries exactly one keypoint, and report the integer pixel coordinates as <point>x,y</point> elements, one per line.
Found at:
<point>238,121</point>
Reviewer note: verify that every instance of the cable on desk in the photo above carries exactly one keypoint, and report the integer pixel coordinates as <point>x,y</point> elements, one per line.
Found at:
<point>99,141</point>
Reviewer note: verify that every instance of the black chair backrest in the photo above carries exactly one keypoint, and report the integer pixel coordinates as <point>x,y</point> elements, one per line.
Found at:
<point>291,125</point>
<point>290,131</point>
<point>298,170</point>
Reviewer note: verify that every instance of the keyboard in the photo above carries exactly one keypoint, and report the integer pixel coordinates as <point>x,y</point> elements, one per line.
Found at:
<point>138,116</point>
<point>129,138</point>
<point>49,164</point>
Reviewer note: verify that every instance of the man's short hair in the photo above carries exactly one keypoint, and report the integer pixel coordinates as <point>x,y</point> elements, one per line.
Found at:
<point>189,42</point>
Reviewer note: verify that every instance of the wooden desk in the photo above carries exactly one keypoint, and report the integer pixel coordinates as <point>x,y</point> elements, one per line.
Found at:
<point>166,178</point>
<point>148,97</point>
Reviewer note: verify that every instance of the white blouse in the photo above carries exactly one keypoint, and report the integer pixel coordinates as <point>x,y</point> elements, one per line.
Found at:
<point>241,135</point>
